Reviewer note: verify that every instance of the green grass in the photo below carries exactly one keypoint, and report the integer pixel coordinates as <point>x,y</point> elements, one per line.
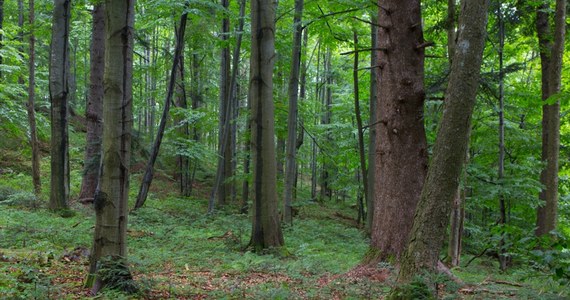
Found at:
<point>175,250</point>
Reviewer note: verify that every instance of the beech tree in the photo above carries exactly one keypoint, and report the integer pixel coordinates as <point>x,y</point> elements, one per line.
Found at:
<point>111,196</point>
<point>59,91</point>
<point>94,109</point>
<point>551,53</point>
<point>266,231</point>
<point>432,214</point>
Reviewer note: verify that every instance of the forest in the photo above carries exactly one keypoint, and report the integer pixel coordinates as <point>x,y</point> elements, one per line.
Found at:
<point>284,149</point>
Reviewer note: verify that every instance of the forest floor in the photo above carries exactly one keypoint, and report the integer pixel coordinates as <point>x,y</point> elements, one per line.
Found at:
<point>176,251</point>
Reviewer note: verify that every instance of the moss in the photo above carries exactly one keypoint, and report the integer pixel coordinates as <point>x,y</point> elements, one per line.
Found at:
<point>416,289</point>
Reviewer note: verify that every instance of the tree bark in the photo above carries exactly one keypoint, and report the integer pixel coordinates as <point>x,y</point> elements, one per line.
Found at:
<point>94,110</point>
<point>325,189</point>
<point>31,100</point>
<point>111,196</point>
<point>501,164</point>
<point>266,232</point>
<point>551,63</point>
<point>149,171</point>
<point>293,93</point>
<point>432,214</point>
<point>401,152</point>
<point>59,92</point>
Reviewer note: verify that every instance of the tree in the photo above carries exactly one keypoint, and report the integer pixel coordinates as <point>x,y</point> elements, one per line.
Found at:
<point>266,232</point>
<point>59,91</point>
<point>401,152</point>
<point>551,67</point>
<point>31,98</point>
<point>94,109</point>
<point>432,214</point>
<point>293,94</point>
<point>111,196</point>
<point>149,171</point>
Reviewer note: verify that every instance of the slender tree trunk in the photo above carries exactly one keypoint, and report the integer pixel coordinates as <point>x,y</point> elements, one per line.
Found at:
<point>326,191</point>
<point>94,110</point>
<point>314,143</point>
<point>551,65</point>
<point>501,164</point>
<point>293,93</point>
<point>149,171</point>
<point>401,152</point>
<point>183,130</point>
<point>59,91</point>
<point>432,214</point>
<point>372,126</point>
<point>226,159</point>
<point>31,99</point>
<point>266,232</point>
<point>456,227</point>
<point>359,121</point>
<point>111,196</point>
<point>224,140</point>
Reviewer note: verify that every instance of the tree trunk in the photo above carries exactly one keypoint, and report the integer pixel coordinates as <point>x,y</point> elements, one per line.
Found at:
<point>501,164</point>
<point>59,91</point>
<point>266,232</point>
<point>359,123</point>
<point>551,62</point>
<point>372,126</point>
<point>149,171</point>
<point>401,152</point>
<point>432,214</point>
<point>31,101</point>
<point>224,140</point>
<point>94,110</point>
<point>227,137</point>
<point>293,93</point>
<point>183,130</point>
<point>326,191</point>
<point>111,196</point>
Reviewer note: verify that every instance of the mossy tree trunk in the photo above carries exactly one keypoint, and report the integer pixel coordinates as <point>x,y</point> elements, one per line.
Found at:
<point>432,214</point>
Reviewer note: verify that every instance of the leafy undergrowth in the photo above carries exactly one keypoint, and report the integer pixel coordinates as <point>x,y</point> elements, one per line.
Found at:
<point>178,252</point>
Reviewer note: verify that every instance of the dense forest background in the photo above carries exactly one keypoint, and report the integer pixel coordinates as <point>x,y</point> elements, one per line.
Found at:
<point>196,172</point>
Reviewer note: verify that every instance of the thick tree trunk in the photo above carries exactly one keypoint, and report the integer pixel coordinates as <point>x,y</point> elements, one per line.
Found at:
<point>432,214</point>
<point>293,93</point>
<point>94,110</point>
<point>31,100</point>
<point>401,152</point>
<point>59,91</point>
<point>551,65</point>
<point>266,232</point>
<point>149,171</point>
<point>111,196</point>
